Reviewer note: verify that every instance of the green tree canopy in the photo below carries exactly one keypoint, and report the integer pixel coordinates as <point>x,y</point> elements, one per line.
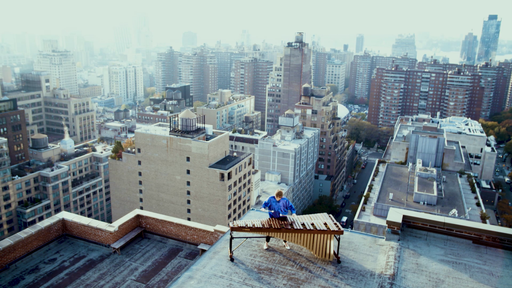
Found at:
<point>324,204</point>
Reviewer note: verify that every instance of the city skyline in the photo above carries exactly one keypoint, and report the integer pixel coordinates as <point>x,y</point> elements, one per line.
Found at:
<point>333,33</point>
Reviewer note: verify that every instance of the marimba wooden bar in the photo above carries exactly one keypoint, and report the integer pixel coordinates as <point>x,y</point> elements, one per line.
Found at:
<point>316,232</point>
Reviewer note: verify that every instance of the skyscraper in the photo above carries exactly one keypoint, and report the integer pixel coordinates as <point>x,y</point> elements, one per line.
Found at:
<point>489,39</point>
<point>250,77</point>
<point>468,49</point>
<point>127,82</point>
<point>404,45</point>
<point>319,67</point>
<point>62,67</point>
<point>167,69</point>
<point>188,40</point>
<point>200,71</point>
<point>291,71</point>
<point>359,43</point>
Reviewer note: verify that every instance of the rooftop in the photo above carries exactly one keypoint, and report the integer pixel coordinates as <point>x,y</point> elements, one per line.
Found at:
<point>229,161</point>
<point>419,259</point>
<point>69,262</point>
<point>396,179</point>
<point>366,261</point>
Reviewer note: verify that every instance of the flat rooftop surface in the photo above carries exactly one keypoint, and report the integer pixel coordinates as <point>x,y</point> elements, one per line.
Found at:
<point>420,259</point>
<point>396,181</point>
<point>229,161</point>
<point>69,262</point>
<point>425,185</point>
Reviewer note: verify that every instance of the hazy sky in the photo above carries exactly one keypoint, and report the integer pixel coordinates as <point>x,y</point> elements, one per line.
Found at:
<point>335,22</point>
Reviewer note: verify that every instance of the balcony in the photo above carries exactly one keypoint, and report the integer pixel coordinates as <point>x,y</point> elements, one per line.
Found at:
<point>28,205</point>
<point>87,178</point>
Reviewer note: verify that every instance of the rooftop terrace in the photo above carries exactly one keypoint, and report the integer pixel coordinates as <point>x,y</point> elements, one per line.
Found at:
<point>419,259</point>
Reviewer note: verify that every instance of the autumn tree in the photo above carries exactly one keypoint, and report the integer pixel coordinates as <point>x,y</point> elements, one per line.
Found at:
<point>128,143</point>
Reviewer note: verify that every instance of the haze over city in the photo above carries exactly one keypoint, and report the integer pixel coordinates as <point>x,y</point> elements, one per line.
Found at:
<point>334,22</point>
<point>256,144</point>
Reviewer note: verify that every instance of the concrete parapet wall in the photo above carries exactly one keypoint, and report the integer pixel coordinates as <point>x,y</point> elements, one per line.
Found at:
<point>65,223</point>
<point>370,228</point>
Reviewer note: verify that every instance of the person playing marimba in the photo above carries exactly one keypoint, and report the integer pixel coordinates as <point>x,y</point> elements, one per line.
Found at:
<point>278,207</point>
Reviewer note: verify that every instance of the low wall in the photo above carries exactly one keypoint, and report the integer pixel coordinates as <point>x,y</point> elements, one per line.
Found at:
<point>65,223</point>
<point>370,228</point>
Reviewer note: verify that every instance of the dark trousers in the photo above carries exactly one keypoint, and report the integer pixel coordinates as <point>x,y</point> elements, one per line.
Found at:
<point>282,218</point>
<point>268,239</point>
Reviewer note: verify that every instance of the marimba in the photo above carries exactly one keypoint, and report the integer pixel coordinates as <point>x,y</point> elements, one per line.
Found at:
<point>315,232</point>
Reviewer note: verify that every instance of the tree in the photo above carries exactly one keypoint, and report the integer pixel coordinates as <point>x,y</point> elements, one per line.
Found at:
<point>483,216</point>
<point>117,151</point>
<point>333,88</point>
<point>128,143</point>
<point>198,104</point>
<point>508,147</point>
<point>149,92</point>
<point>324,204</point>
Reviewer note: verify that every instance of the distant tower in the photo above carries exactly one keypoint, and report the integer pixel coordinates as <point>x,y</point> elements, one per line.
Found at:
<point>188,41</point>
<point>489,39</point>
<point>291,71</point>
<point>359,43</point>
<point>404,45</point>
<point>345,47</point>
<point>468,49</point>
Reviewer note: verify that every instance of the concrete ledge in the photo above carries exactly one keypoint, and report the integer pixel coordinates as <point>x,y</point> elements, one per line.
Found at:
<point>25,233</point>
<point>221,229</point>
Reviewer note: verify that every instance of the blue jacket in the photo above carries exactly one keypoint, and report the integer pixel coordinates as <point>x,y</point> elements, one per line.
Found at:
<point>280,207</point>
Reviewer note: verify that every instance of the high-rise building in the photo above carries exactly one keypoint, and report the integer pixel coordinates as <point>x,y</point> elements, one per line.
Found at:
<point>363,67</point>
<point>404,45</point>
<point>319,109</point>
<point>292,70</point>
<point>223,68</point>
<point>319,67</point>
<point>126,82</point>
<point>289,157</point>
<point>466,91</point>
<point>188,41</point>
<point>245,38</point>
<point>489,39</point>
<point>360,43</point>
<point>225,111</point>
<point>199,69</point>
<point>61,177</point>
<point>13,128</point>
<point>250,76</point>
<point>468,49</point>
<point>335,74</point>
<point>209,185</point>
<point>61,66</point>
<point>167,69</point>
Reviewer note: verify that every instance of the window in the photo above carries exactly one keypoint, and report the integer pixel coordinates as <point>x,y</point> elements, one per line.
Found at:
<point>188,218</point>
<point>141,200</point>
<point>188,159</point>
<point>140,162</point>
<point>188,183</point>
<point>140,173</point>
<point>188,211</point>
<point>188,172</point>
<point>18,186</point>
<point>19,195</point>
<point>188,192</point>
<point>140,192</point>
<point>138,150</point>
<point>188,201</point>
